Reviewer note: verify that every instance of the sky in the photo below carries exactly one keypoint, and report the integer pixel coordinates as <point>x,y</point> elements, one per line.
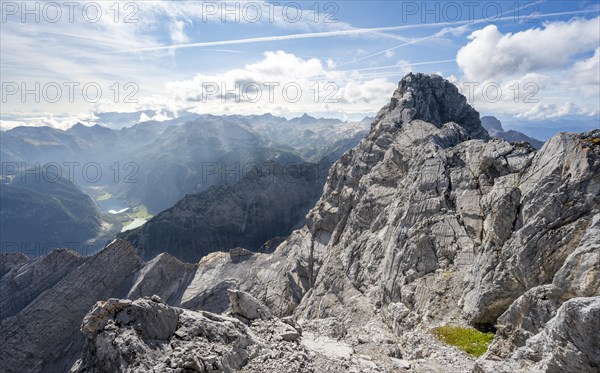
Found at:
<point>62,63</point>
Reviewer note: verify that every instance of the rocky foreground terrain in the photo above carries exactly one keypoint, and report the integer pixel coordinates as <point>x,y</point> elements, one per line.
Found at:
<point>427,222</point>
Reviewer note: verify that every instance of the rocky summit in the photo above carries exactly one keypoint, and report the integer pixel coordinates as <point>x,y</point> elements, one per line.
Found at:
<point>427,223</point>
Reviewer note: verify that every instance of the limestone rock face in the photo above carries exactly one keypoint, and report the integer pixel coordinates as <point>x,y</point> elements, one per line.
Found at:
<point>9,261</point>
<point>578,277</point>
<point>435,100</point>
<point>26,282</point>
<point>567,343</point>
<point>45,300</point>
<point>245,305</point>
<point>279,280</point>
<point>43,335</point>
<point>148,335</point>
<point>426,222</point>
<point>164,276</point>
<point>580,274</point>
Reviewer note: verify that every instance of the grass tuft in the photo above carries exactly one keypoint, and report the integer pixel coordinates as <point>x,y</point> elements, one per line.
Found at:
<point>470,340</point>
<point>593,140</point>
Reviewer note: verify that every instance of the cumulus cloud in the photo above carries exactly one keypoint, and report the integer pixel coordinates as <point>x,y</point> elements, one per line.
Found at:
<point>492,54</point>
<point>369,92</point>
<point>84,52</point>
<point>586,75</point>
<point>539,73</point>
<point>529,97</point>
<point>276,67</point>
<point>313,85</point>
<point>284,83</point>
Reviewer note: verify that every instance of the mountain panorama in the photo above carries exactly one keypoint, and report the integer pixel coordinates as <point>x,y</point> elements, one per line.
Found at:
<point>145,170</point>
<point>423,243</point>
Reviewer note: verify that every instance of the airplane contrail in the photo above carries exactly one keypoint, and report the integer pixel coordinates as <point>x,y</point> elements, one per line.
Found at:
<point>395,66</point>
<point>415,41</point>
<point>441,33</point>
<point>270,38</point>
<point>321,76</point>
<point>324,34</point>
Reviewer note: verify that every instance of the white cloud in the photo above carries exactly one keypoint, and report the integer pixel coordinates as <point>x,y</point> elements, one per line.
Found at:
<point>373,92</point>
<point>586,75</point>
<point>177,32</point>
<point>540,73</point>
<point>261,87</point>
<point>492,54</point>
<point>552,111</point>
<point>83,52</point>
<point>321,91</point>
<point>452,79</point>
<point>404,66</point>
<point>62,121</point>
<point>531,96</point>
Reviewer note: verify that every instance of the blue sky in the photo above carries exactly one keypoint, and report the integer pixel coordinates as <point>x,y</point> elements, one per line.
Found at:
<point>519,60</point>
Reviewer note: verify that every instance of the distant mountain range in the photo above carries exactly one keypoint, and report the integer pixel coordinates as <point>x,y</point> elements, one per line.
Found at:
<point>189,168</point>
<point>495,129</point>
<point>544,129</point>
<point>156,164</point>
<point>268,202</point>
<point>166,160</point>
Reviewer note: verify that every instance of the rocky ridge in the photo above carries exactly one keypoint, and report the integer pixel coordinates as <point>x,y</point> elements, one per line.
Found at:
<point>149,335</point>
<point>271,201</point>
<point>433,223</point>
<point>426,222</point>
<point>495,129</point>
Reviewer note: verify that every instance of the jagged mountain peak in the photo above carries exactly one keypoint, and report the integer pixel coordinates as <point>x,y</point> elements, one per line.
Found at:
<point>492,124</point>
<point>433,99</point>
<point>122,247</point>
<point>304,119</point>
<point>495,129</point>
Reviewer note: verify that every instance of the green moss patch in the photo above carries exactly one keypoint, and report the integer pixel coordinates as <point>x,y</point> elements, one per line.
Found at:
<point>470,340</point>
